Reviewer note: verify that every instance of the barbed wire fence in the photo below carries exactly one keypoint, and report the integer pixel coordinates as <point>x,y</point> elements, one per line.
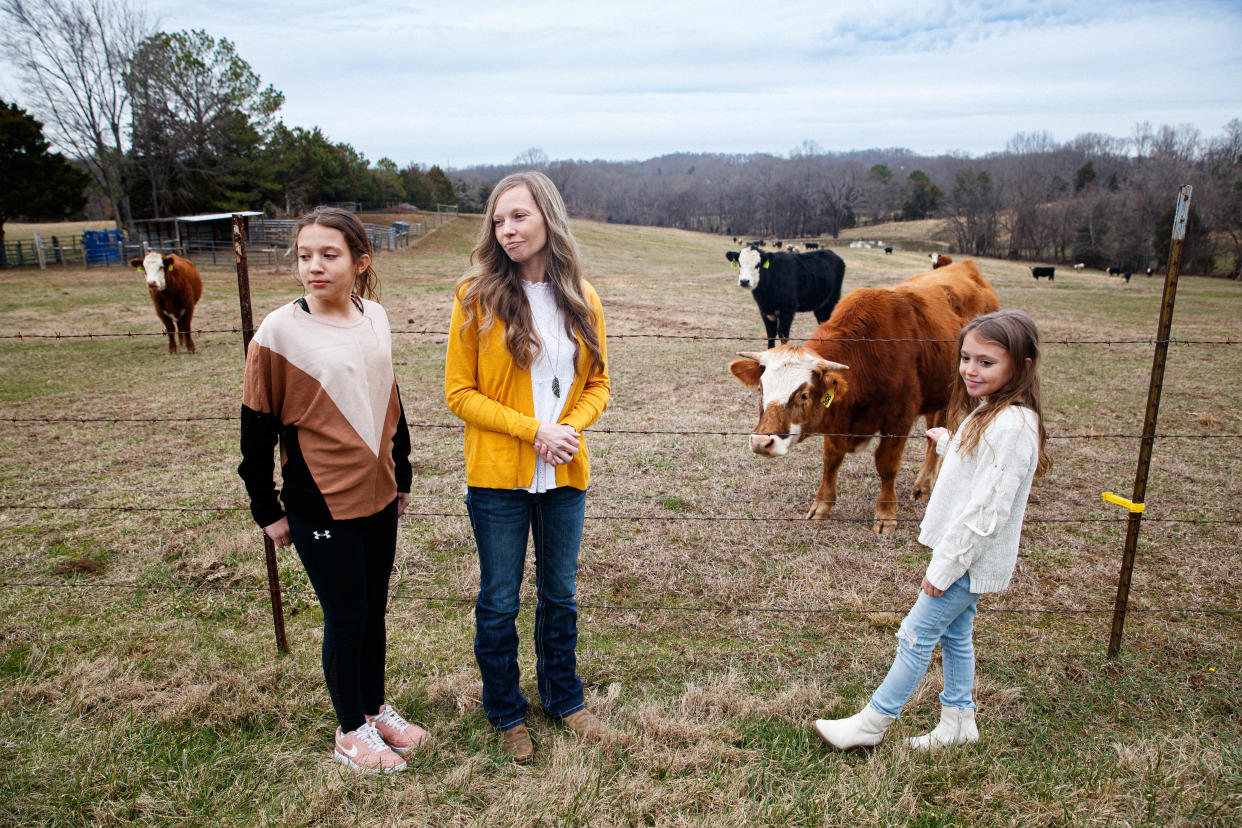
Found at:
<point>697,337</point>
<point>1160,342</point>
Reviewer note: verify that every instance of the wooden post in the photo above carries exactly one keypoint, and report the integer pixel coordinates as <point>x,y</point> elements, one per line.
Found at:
<point>247,317</point>
<point>243,282</point>
<point>273,588</point>
<point>1149,420</point>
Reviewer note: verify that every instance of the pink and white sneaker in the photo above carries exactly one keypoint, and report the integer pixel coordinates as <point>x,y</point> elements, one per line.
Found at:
<point>400,735</point>
<point>365,750</point>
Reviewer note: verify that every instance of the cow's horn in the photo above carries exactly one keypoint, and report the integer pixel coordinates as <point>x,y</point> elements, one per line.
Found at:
<point>750,355</point>
<point>829,365</point>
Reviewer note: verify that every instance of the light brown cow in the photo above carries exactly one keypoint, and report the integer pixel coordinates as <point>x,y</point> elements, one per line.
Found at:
<point>175,288</point>
<point>884,357</point>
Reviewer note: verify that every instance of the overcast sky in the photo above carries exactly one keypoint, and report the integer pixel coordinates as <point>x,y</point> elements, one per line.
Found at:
<point>462,83</point>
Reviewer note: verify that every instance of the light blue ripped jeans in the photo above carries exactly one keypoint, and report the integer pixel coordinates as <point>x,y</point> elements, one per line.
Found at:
<point>949,620</point>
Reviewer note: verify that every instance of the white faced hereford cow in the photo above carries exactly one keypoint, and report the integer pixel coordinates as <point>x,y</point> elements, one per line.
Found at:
<point>175,289</point>
<point>847,386</point>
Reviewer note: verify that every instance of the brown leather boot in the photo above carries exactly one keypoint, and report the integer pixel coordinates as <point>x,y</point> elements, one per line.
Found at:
<point>516,742</point>
<point>589,728</point>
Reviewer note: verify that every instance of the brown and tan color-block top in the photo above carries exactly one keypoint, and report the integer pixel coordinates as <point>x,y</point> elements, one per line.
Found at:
<point>326,391</point>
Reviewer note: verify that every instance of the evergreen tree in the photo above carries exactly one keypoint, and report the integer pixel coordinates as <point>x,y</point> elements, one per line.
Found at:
<point>37,184</point>
<point>922,196</point>
<point>200,116</point>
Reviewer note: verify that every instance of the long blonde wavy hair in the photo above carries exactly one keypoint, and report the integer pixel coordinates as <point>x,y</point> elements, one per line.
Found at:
<point>491,289</point>
<point>1014,331</point>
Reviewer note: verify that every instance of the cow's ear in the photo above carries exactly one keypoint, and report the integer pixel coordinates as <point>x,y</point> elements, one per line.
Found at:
<point>136,264</point>
<point>168,262</point>
<point>732,256</point>
<point>829,387</point>
<point>747,371</point>
<point>767,260</point>
<point>826,379</point>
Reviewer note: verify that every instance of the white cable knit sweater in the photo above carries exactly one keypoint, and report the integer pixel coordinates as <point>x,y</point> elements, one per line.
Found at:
<point>974,517</point>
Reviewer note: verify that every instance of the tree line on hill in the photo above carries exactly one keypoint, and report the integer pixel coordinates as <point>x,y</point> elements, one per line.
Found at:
<point>1097,199</point>
<point>171,123</point>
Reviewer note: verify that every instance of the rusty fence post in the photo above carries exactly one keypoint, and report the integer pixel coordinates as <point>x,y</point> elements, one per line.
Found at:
<point>1149,420</point>
<point>247,320</point>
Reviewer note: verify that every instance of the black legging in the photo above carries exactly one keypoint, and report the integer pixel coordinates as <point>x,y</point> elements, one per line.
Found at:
<point>349,563</point>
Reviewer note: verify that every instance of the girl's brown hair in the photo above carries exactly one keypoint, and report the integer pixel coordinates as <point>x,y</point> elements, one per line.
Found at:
<point>1014,331</point>
<point>366,283</point>
<point>492,288</point>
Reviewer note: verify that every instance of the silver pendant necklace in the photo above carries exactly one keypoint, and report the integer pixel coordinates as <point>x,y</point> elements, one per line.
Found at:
<point>543,341</point>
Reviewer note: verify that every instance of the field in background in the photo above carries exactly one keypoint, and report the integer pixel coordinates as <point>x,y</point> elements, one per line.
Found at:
<point>24,231</point>
<point>923,230</point>
<point>711,643</point>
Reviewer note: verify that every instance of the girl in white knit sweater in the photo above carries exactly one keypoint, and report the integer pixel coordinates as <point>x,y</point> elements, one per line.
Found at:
<point>972,524</point>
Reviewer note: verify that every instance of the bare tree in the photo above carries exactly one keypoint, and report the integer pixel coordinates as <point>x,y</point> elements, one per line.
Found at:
<point>532,159</point>
<point>72,56</point>
<point>840,193</point>
<point>1222,200</point>
<point>974,212</point>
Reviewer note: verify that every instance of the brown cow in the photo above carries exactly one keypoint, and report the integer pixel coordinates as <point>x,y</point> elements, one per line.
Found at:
<point>175,289</point>
<point>940,260</point>
<point>848,386</point>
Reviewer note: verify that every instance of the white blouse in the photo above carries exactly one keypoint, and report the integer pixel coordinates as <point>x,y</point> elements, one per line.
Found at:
<point>973,520</point>
<point>555,360</point>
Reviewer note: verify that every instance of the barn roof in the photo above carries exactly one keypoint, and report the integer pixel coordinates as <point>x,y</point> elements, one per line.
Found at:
<point>207,216</point>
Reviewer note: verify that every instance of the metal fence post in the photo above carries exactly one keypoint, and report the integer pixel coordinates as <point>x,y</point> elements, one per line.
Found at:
<point>243,296</point>
<point>1149,420</point>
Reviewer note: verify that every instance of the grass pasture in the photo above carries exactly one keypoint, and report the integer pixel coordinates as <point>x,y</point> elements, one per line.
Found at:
<point>139,681</point>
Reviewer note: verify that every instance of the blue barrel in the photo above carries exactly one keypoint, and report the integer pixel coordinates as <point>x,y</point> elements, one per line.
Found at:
<point>102,247</point>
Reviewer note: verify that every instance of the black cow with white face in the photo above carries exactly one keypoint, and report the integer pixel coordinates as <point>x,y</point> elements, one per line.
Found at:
<point>785,283</point>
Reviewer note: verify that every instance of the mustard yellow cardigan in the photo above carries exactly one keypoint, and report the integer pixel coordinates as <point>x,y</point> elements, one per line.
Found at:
<point>493,396</point>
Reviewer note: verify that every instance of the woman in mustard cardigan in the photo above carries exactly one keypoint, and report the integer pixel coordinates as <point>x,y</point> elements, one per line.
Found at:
<point>527,372</point>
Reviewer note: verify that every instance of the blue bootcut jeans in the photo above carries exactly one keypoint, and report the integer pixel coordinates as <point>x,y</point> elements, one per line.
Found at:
<point>948,620</point>
<point>502,519</point>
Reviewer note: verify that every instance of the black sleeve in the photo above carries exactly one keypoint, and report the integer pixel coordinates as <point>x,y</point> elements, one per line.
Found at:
<point>401,451</point>
<point>259,435</point>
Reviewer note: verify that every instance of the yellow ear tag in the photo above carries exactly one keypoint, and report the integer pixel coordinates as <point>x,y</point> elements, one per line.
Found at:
<point>767,264</point>
<point>829,396</point>
<point>734,263</point>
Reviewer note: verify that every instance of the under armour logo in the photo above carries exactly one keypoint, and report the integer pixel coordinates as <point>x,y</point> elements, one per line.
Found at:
<point>321,535</point>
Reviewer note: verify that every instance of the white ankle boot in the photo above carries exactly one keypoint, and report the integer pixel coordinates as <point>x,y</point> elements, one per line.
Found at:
<point>957,727</point>
<point>864,729</point>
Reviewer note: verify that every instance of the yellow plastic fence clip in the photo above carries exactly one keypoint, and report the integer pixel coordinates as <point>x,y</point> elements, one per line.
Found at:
<point>1109,497</point>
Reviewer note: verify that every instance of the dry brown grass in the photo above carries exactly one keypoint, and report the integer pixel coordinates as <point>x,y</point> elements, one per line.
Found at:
<point>24,231</point>
<point>710,643</point>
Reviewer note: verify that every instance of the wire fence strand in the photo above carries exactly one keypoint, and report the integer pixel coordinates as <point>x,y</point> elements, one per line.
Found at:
<point>706,337</point>
<point>665,518</point>
<point>657,499</point>
<point>723,608</point>
<point>635,431</point>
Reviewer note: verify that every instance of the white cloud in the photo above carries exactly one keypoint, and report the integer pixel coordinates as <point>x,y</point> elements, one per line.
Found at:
<point>476,82</point>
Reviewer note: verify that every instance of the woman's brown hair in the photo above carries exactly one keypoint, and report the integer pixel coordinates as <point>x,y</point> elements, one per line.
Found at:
<point>366,283</point>
<point>492,288</point>
<point>1014,331</point>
